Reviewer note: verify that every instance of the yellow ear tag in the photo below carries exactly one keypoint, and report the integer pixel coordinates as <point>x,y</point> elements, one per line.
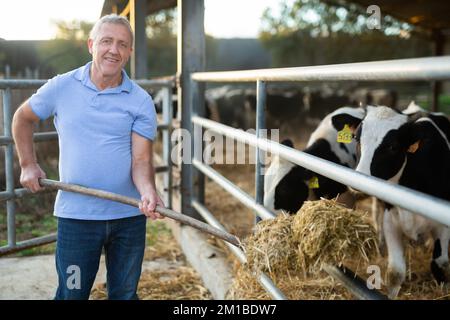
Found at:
<point>313,183</point>
<point>345,135</point>
<point>413,148</point>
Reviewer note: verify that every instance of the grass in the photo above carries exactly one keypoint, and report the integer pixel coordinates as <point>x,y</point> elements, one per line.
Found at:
<point>156,229</point>
<point>34,218</point>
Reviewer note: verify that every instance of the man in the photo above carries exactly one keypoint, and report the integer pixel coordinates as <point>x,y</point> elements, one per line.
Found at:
<point>106,125</point>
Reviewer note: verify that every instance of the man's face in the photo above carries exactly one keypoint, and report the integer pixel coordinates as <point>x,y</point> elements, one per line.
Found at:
<point>111,49</point>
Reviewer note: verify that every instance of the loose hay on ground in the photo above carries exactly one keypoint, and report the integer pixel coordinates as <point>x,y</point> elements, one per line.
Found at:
<point>246,287</point>
<point>321,232</point>
<point>182,283</point>
<point>171,281</point>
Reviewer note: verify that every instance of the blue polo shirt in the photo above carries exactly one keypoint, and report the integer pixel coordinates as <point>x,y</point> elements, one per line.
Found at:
<point>94,129</point>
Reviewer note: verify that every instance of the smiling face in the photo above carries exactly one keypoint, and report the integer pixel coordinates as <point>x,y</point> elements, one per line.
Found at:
<point>110,51</point>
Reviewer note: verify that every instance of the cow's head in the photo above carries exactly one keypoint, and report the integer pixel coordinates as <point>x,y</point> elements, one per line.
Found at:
<point>285,184</point>
<point>384,137</point>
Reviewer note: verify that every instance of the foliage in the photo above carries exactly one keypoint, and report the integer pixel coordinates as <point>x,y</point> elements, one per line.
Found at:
<point>310,32</point>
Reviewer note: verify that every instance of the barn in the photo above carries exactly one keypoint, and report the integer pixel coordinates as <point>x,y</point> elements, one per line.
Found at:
<point>196,189</point>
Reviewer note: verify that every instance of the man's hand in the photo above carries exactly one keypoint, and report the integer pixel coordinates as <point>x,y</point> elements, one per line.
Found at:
<point>148,204</point>
<point>29,177</point>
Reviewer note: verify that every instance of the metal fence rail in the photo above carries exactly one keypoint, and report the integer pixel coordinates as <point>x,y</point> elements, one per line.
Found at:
<point>423,204</point>
<point>11,193</point>
<point>425,69</point>
<point>420,69</point>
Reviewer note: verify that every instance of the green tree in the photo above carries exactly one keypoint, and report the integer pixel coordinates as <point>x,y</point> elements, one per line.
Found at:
<point>67,51</point>
<point>311,32</point>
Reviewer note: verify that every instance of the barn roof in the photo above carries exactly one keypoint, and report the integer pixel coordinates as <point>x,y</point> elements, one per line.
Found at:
<point>153,6</point>
<point>427,14</point>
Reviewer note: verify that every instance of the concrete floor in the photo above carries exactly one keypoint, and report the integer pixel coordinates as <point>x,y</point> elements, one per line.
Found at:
<point>34,278</point>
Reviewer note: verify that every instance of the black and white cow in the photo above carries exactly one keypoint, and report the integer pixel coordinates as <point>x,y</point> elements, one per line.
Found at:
<point>287,186</point>
<point>415,154</point>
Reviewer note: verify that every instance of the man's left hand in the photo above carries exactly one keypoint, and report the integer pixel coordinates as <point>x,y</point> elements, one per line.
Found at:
<point>148,204</point>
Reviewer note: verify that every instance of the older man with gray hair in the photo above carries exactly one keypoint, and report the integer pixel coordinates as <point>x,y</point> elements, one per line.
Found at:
<point>106,126</point>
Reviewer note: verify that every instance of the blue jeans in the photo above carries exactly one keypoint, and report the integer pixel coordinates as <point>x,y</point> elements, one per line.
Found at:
<point>78,250</point>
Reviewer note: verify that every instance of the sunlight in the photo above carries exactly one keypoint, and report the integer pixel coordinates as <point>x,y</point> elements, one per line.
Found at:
<point>34,20</point>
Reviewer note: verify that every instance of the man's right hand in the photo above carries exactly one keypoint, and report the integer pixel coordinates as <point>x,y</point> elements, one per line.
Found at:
<point>29,177</point>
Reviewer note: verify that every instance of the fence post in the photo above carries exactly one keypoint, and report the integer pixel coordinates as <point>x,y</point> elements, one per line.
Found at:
<point>191,58</point>
<point>9,168</point>
<point>198,106</point>
<point>260,154</point>
<point>167,145</point>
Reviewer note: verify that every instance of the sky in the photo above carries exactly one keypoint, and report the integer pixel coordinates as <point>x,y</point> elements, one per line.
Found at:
<point>33,20</point>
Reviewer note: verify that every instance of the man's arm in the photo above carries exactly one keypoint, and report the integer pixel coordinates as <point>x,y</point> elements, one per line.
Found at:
<point>143,175</point>
<point>22,129</point>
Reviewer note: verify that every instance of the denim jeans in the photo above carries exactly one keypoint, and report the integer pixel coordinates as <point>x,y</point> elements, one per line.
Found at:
<point>78,250</point>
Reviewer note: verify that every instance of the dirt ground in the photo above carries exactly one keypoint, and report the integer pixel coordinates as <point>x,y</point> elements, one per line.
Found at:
<point>240,220</point>
<point>166,273</point>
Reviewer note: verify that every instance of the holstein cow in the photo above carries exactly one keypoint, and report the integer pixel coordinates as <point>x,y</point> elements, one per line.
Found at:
<point>287,186</point>
<point>414,112</point>
<point>414,154</point>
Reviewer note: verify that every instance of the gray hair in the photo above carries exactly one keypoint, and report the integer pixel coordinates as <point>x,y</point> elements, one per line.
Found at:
<point>111,18</point>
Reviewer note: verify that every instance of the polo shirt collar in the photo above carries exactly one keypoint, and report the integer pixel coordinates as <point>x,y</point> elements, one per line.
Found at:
<point>82,74</point>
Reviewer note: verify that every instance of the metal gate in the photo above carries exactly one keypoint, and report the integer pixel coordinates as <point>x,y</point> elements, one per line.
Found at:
<point>11,193</point>
<point>420,69</point>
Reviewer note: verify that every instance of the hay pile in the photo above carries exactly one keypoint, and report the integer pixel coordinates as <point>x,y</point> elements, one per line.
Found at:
<point>330,233</point>
<point>292,249</point>
<point>272,248</point>
<point>321,232</point>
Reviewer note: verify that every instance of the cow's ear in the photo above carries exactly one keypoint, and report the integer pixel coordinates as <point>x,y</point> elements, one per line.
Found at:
<point>411,136</point>
<point>340,120</point>
<point>414,147</point>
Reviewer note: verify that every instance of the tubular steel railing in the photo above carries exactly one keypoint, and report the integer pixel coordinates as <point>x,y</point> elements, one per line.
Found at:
<point>419,69</point>
<point>11,193</point>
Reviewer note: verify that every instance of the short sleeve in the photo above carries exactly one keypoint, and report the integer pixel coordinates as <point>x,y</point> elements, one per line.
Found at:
<point>145,122</point>
<point>43,102</point>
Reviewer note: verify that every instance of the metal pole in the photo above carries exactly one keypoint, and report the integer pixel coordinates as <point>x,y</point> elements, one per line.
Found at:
<point>167,118</point>
<point>138,12</point>
<point>9,168</point>
<point>198,106</point>
<point>436,86</point>
<point>260,126</point>
<point>353,283</point>
<point>417,69</point>
<point>27,244</point>
<point>190,58</point>
<point>230,187</point>
<point>265,281</point>
<point>415,201</point>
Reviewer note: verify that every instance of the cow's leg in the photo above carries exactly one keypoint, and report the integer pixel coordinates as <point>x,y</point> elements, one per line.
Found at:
<point>396,261</point>
<point>378,216</point>
<point>439,265</point>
